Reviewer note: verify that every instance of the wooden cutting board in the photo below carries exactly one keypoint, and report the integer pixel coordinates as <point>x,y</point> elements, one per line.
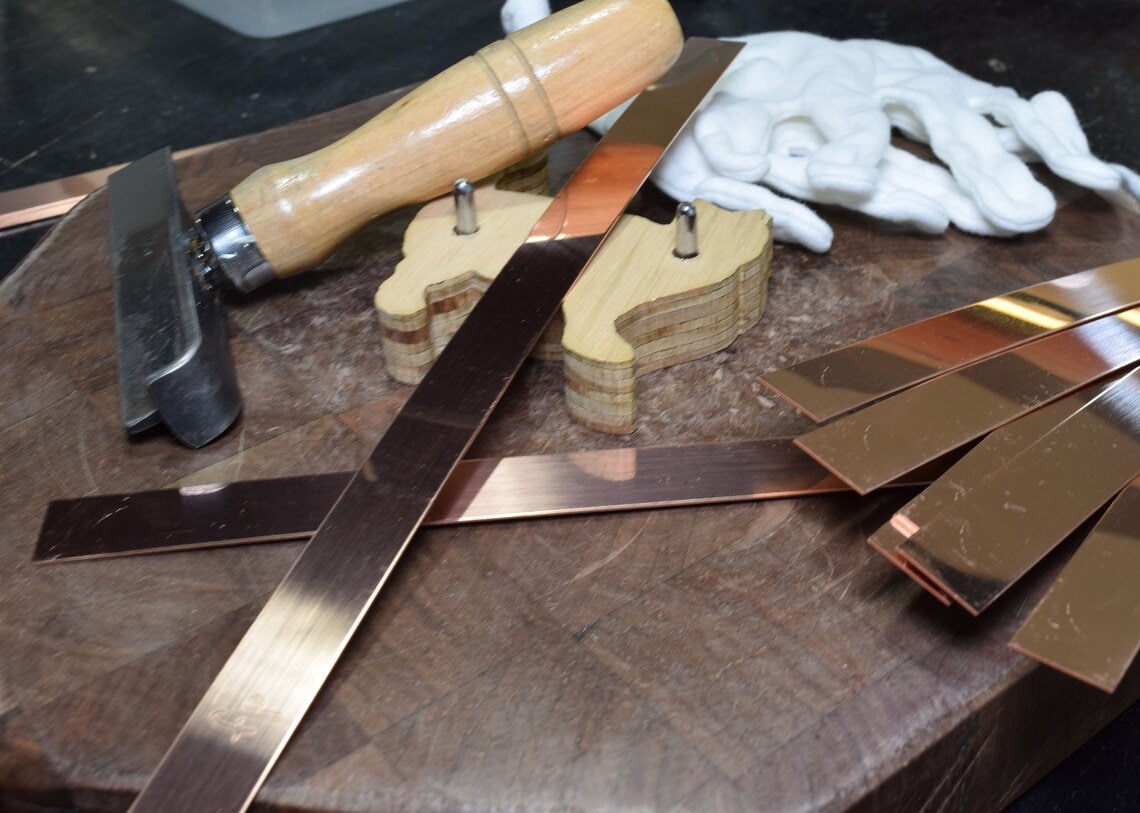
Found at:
<point>755,656</point>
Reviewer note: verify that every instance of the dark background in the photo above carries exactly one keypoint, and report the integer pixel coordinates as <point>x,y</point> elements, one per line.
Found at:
<point>85,84</point>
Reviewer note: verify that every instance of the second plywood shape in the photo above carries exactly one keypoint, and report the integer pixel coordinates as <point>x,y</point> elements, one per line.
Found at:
<point>637,307</point>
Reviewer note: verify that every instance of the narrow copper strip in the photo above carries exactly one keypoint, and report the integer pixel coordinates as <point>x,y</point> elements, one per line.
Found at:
<point>878,444</point>
<point>197,517</point>
<point>998,449</point>
<point>858,374</point>
<point>284,658</point>
<point>1088,623</point>
<point>1001,528</point>
<point>50,199</point>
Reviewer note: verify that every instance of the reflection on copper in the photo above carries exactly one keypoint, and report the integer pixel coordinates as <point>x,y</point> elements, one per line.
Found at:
<point>1088,623</point>
<point>286,508</point>
<point>52,199</point>
<point>1003,525</point>
<point>284,658</point>
<point>883,441</point>
<point>858,374</point>
<point>998,449</point>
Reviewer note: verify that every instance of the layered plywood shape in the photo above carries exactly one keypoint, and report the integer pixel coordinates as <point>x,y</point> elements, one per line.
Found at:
<point>637,307</point>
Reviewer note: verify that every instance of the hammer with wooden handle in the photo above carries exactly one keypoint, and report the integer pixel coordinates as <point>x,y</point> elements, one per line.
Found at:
<point>509,100</point>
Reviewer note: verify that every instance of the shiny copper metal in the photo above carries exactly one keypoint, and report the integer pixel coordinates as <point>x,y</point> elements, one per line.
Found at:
<point>1088,623</point>
<point>863,372</point>
<point>52,199</point>
<point>1000,528</point>
<point>996,450</point>
<point>275,510</point>
<point>878,444</point>
<point>283,660</point>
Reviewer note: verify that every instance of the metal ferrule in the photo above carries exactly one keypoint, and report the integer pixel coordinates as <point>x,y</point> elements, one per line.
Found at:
<point>232,252</point>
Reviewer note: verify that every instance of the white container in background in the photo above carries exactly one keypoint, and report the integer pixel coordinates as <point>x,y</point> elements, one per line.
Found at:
<point>272,18</point>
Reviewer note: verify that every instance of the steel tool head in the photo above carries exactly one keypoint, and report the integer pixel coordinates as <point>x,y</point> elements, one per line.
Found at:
<point>174,360</point>
<point>512,99</point>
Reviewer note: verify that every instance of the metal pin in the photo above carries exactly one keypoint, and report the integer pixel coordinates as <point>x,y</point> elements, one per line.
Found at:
<point>686,246</point>
<point>464,194</point>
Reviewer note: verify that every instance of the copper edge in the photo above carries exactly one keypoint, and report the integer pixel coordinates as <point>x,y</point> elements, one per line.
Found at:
<point>879,443</point>
<point>308,620</point>
<point>998,449</point>
<point>52,199</point>
<point>853,376</point>
<point>1000,528</point>
<point>1088,623</point>
<point>493,489</point>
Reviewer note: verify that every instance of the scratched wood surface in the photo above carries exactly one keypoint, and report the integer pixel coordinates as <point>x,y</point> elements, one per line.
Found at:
<point>754,656</point>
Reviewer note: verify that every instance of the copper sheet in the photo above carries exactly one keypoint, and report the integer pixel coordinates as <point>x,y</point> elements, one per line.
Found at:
<point>286,508</point>
<point>1000,528</point>
<point>858,374</point>
<point>883,441</point>
<point>1088,623</point>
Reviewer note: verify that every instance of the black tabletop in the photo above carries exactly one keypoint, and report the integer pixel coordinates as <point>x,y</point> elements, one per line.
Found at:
<point>85,84</point>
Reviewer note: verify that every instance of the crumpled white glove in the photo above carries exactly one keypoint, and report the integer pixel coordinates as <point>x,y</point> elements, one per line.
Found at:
<point>811,117</point>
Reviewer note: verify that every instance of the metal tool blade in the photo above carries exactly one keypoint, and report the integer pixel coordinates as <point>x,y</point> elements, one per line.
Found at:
<point>280,665</point>
<point>173,356</point>
<point>484,490</point>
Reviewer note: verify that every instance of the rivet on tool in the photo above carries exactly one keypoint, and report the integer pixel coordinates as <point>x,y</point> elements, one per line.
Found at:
<point>686,246</point>
<point>464,194</point>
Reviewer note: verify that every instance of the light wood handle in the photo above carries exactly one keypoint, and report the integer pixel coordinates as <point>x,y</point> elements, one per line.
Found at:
<point>510,99</point>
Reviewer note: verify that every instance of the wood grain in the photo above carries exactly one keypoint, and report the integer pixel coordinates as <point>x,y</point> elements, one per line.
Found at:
<point>720,658</point>
<point>639,308</point>
<point>636,308</point>
<point>443,274</point>
<point>511,99</point>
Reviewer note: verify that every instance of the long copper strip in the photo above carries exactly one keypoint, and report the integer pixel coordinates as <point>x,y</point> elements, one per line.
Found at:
<point>285,508</point>
<point>860,373</point>
<point>55,198</point>
<point>1088,623</point>
<point>1000,448</point>
<point>883,441</point>
<point>281,663</point>
<point>1000,529</point>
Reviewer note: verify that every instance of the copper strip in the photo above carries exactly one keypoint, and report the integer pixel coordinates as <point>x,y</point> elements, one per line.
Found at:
<point>195,517</point>
<point>55,198</point>
<point>858,374</point>
<point>998,449</point>
<point>1001,528</point>
<point>281,663</point>
<point>1088,623</point>
<point>883,441</point>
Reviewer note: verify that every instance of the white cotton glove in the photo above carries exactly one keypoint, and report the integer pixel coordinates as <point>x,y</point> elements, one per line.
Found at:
<point>517,14</point>
<point>811,118</point>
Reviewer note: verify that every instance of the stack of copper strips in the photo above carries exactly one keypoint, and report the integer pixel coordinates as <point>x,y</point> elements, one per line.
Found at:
<point>1043,383</point>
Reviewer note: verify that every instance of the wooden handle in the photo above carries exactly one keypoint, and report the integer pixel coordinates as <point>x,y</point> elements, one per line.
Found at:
<point>510,99</point>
